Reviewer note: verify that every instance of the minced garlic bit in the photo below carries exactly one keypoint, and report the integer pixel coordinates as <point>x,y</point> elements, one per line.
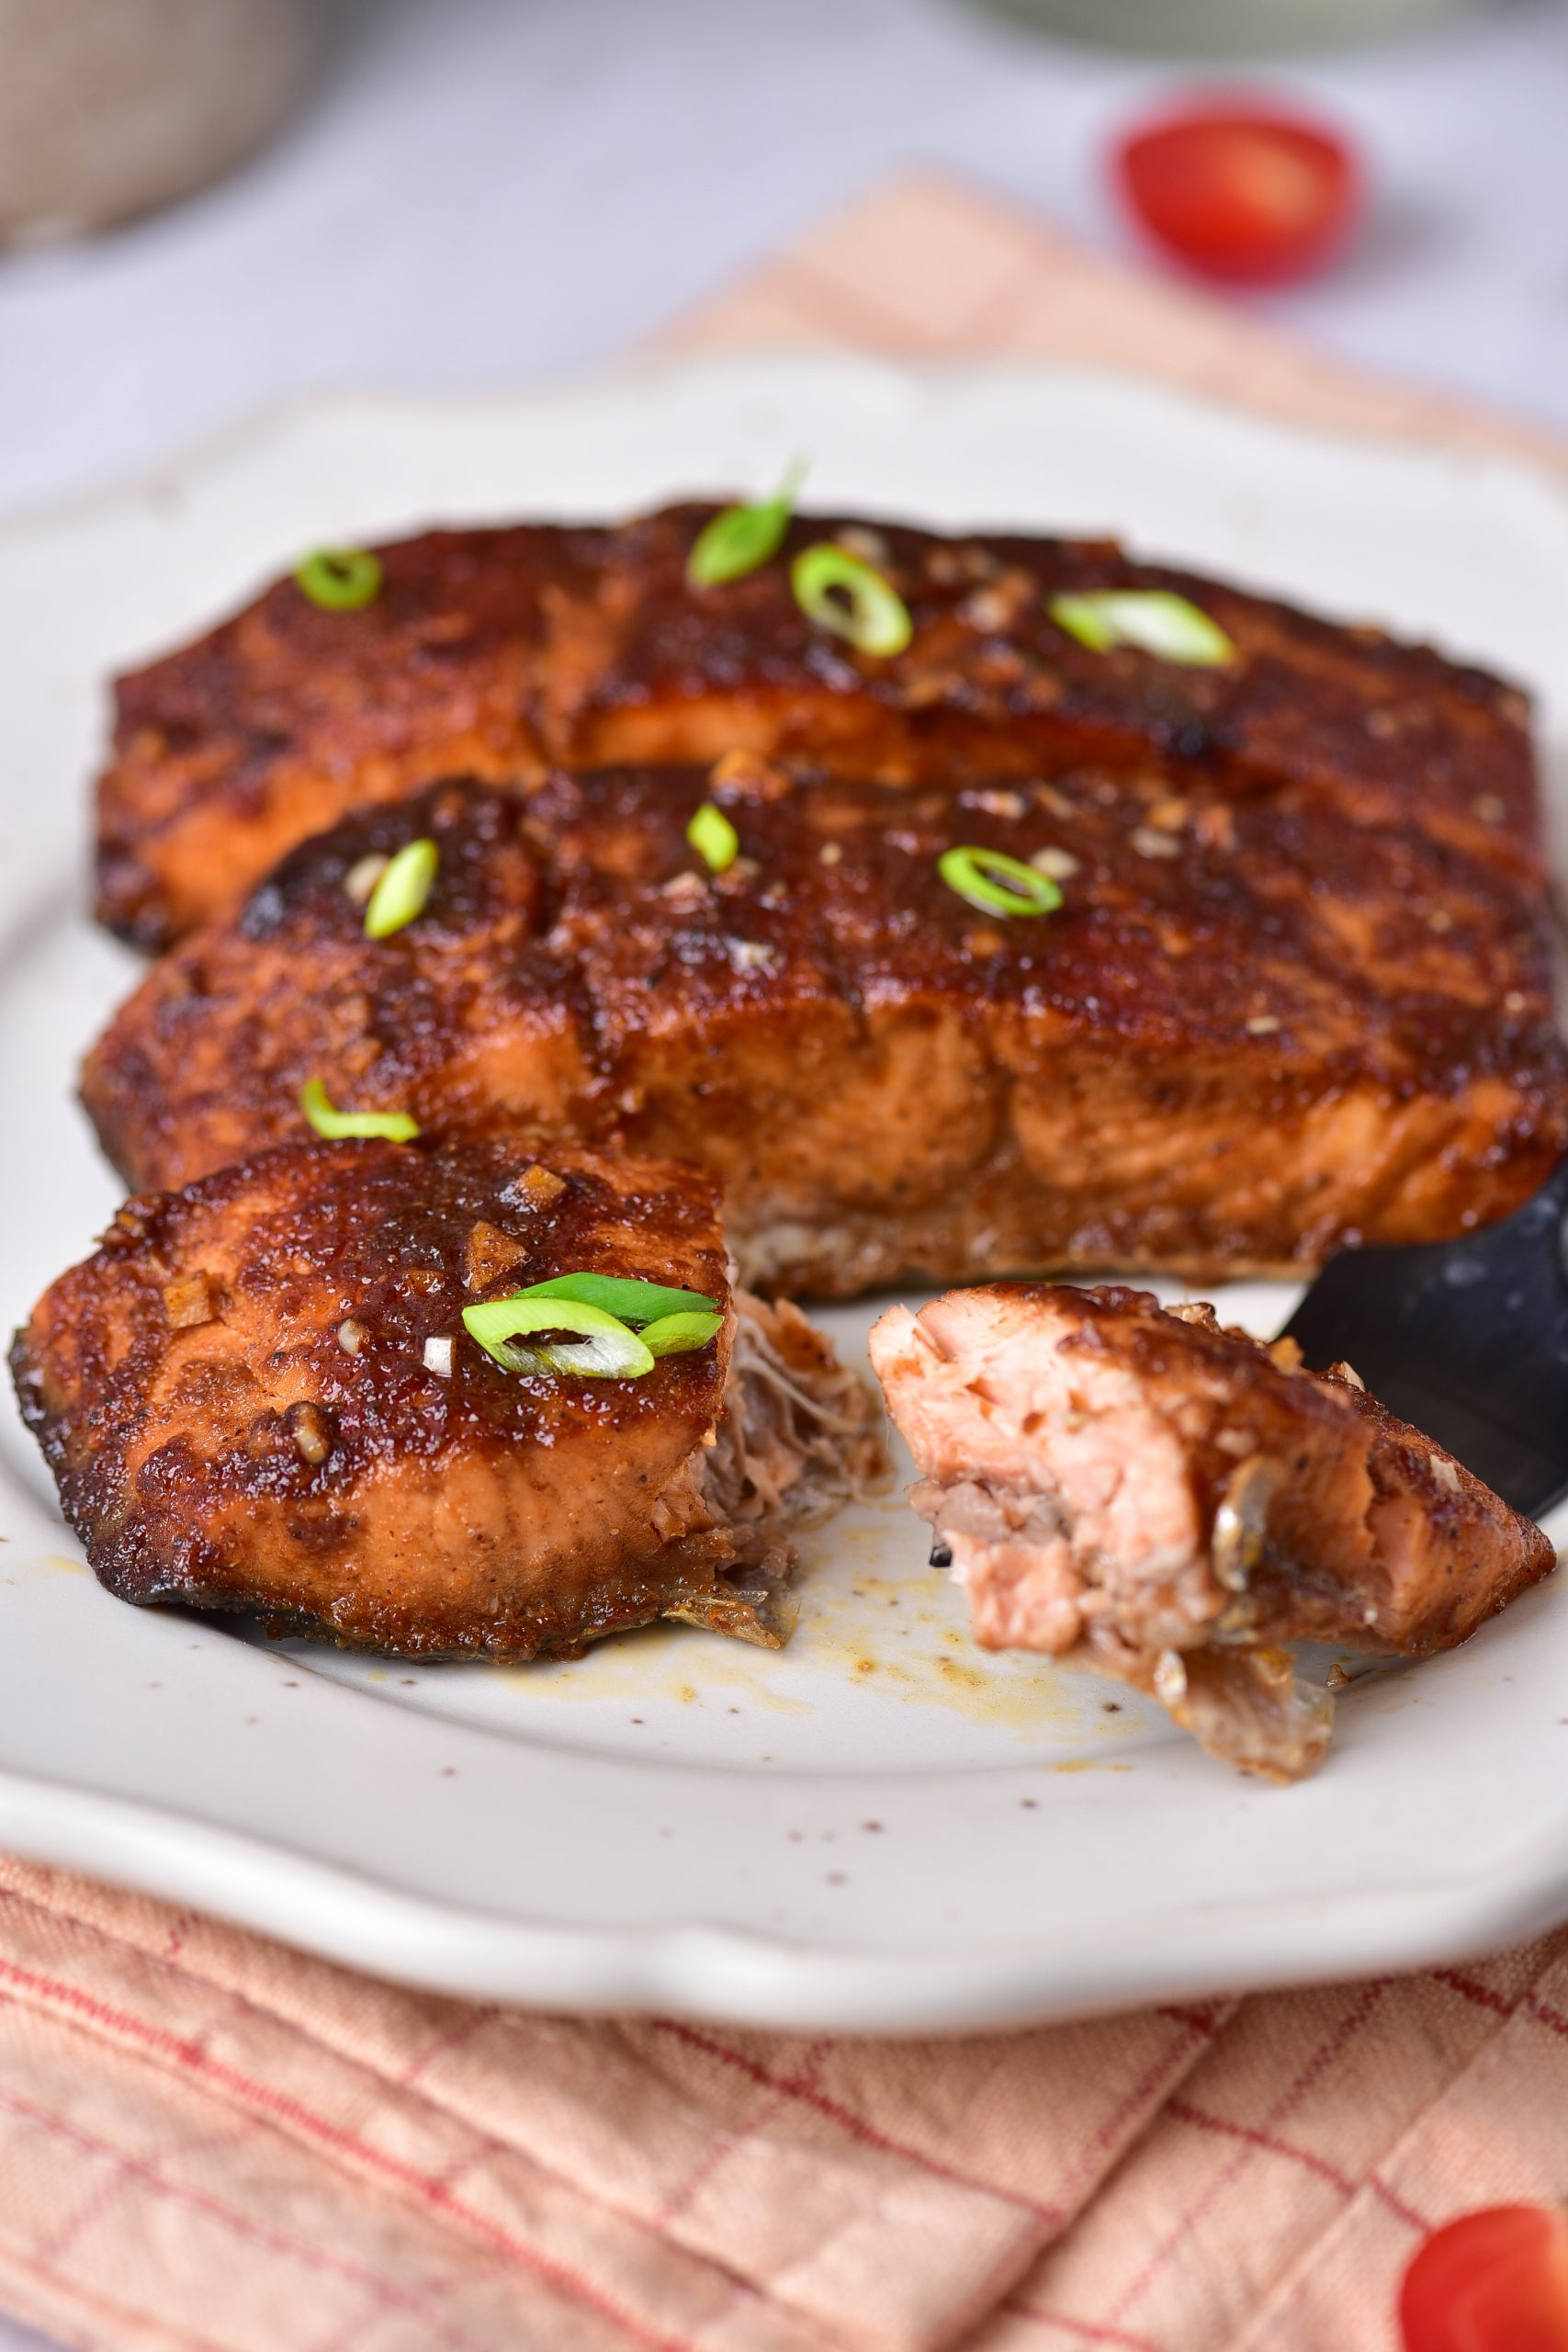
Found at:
<point>534,1187</point>
<point>1490,807</point>
<point>1445,1473</point>
<point>489,1255</point>
<point>1168,816</point>
<point>350,1336</point>
<point>986,609</point>
<point>1262,1025</point>
<point>1194,1310</point>
<point>752,956</point>
<point>422,1280</point>
<point>869,546</point>
<point>998,605</point>
<point>363,877</point>
<point>1515,1000</point>
<point>751,774</point>
<point>995,804</point>
<point>1347,1372</point>
<point>1440,919</point>
<point>312,1437</point>
<point>438,1358</point>
<point>830,854</point>
<point>1150,843</point>
<point>1047,797</point>
<point>192,1300</point>
<point>1170,1678</point>
<point>1059,863</point>
<point>1284,1353</point>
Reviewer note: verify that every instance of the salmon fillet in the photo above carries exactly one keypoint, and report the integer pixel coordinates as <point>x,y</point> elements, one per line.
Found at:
<point>497,653</point>
<point>1137,1490</point>
<point>259,1395</point>
<point>1247,1037</point>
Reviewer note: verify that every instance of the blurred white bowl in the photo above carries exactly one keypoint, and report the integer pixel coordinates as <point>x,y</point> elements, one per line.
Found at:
<point>108,108</point>
<point>1227,28</point>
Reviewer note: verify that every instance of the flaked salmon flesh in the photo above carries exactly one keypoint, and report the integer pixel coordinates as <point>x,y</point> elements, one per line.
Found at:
<point>1138,1490</point>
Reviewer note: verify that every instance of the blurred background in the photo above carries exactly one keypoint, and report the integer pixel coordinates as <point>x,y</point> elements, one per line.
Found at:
<point>325,192</point>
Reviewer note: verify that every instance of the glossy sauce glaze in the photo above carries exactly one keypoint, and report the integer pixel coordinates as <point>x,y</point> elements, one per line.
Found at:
<point>260,1394</point>
<point>497,653</point>
<point>1249,1033</point>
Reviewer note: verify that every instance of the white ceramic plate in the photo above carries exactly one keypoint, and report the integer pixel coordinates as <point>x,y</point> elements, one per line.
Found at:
<point>879,1828</point>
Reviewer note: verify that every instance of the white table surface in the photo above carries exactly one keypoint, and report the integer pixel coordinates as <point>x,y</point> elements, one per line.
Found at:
<point>480,190</point>
<point>484,189</point>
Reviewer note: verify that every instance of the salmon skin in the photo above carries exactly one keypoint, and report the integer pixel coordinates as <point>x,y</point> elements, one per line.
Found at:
<point>498,652</point>
<point>1137,1490</point>
<point>260,1395</point>
<point>1243,1040</point>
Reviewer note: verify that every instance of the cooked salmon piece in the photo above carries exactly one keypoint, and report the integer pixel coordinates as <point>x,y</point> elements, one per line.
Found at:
<point>260,1394</point>
<point>1246,1036</point>
<point>1136,1490</point>
<point>498,652</point>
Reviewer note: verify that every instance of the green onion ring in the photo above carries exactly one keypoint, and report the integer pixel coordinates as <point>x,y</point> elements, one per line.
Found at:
<point>742,538</point>
<point>339,580</point>
<point>607,1350</point>
<point>618,1295</point>
<point>675,1335</point>
<point>875,619</point>
<point>401,888</point>
<point>714,838</point>
<point>1153,619</point>
<point>393,1126</point>
<point>1017,889</point>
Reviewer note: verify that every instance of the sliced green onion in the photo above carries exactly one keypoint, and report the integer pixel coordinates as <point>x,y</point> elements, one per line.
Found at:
<point>1002,885</point>
<point>743,537</point>
<point>843,592</point>
<point>395,1126</point>
<point>713,837</point>
<point>605,1348</point>
<point>1153,619</point>
<point>633,1302</point>
<point>341,579</point>
<point>401,888</point>
<point>674,1335</point>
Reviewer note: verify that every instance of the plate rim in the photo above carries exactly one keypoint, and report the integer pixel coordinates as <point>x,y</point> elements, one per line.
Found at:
<point>701,1971</point>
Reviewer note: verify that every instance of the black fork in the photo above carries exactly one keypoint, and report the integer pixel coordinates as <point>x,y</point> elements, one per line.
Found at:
<point>1465,1340</point>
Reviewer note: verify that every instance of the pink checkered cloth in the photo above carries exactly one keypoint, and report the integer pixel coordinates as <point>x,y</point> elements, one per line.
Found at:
<point>209,2143</point>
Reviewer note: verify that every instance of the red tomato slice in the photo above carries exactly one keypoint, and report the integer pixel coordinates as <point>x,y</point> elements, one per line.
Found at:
<point>1494,2282</point>
<point>1242,193</point>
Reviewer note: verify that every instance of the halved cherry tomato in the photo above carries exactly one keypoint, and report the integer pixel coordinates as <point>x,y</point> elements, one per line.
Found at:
<point>1242,192</point>
<point>1492,2281</point>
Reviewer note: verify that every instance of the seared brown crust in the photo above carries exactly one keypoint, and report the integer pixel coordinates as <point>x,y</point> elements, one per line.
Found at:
<point>233,1396</point>
<point>1248,1036</point>
<point>497,652</point>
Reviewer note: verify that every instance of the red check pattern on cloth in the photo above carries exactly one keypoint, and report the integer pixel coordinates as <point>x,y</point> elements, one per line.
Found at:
<point>210,2144</point>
